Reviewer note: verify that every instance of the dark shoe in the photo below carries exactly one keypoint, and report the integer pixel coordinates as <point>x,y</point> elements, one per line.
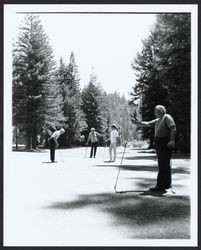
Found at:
<point>157,189</point>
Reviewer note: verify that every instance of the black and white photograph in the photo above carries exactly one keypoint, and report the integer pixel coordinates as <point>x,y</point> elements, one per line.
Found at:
<point>100,125</point>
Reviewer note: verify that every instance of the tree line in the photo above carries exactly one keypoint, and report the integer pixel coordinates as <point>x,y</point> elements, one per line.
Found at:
<point>163,75</point>
<point>47,97</point>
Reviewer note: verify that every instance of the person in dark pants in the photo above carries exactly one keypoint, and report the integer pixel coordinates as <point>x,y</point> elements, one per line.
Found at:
<point>54,143</point>
<point>164,140</point>
<point>93,138</point>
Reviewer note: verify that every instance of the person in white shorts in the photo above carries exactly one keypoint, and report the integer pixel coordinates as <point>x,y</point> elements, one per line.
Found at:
<point>114,135</point>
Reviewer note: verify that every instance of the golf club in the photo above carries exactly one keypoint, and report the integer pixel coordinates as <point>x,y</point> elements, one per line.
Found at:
<point>105,145</point>
<point>61,156</point>
<point>172,191</point>
<point>85,152</point>
<point>120,168</point>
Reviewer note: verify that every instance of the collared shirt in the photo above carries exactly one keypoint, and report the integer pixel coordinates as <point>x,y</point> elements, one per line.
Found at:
<point>113,136</point>
<point>162,125</point>
<point>56,134</point>
<point>93,136</point>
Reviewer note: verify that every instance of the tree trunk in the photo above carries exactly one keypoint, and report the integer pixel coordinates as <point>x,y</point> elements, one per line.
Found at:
<point>29,138</point>
<point>151,141</point>
<point>34,136</point>
<point>16,139</point>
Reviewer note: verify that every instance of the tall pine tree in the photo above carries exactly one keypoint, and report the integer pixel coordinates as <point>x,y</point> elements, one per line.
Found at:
<point>91,95</point>
<point>163,73</point>
<point>33,68</point>
<point>70,89</point>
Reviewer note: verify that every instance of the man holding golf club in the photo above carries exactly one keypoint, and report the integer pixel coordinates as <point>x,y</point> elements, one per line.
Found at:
<point>93,138</point>
<point>54,143</point>
<point>164,139</point>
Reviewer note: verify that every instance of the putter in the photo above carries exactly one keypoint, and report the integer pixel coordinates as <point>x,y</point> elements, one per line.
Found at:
<point>61,156</point>
<point>173,192</point>
<point>115,186</point>
<point>105,145</point>
<point>85,152</point>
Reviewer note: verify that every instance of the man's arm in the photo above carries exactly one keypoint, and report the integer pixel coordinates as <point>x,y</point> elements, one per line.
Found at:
<point>171,143</point>
<point>88,138</point>
<point>141,123</point>
<point>99,135</point>
<point>57,144</point>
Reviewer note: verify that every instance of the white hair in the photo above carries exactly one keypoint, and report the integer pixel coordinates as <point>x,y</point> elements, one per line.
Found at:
<point>62,130</point>
<point>161,109</point>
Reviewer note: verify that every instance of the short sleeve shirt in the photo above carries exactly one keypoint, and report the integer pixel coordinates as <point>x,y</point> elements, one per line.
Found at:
<point>162,125</point>
<point>56,134</point>
<point>113,136</point>
<point>94,136</point>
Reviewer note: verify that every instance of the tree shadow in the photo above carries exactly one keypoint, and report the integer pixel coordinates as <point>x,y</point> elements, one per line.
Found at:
<point>146,157</point>
<point>150,168</point>
<point>24,150</point>
<point>154,157</point>
<point>112,202</point>
<point>143,150</point>
<point>130,210</point>
<point>49,162</point>
<point>143,185</point>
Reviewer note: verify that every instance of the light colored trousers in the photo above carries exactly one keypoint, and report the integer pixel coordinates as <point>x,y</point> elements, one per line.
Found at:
<point>113,146</point>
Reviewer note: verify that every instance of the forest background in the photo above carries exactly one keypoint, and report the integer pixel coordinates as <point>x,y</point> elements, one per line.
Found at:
<point>47,97</point>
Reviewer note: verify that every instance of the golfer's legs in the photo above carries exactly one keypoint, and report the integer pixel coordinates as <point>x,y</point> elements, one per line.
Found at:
<point>52,150</point>
<point>167,180</point>
<point>164,173</point>
<point>95,148</point>
<point>92,148</point>
<point>115,150</point>
<point>110,151</point>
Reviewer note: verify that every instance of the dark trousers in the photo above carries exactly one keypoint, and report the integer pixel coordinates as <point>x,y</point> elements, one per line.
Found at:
<point>164,154</point>
<point>93,148</point>
<point>52,149</point>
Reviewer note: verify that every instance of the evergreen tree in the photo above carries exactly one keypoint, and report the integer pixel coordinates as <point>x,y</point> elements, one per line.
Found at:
<point>33,68</point>
<point>148,86</point>
<point>53,117</point>
<point>91,96</point>
<point>120,115</point>
<point>70,88</point>
<point>163,73</point>
<point>103,105</point>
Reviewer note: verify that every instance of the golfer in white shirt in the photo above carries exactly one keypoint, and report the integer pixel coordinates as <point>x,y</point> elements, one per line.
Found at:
<point>113,142</point>
<point>54,143</point>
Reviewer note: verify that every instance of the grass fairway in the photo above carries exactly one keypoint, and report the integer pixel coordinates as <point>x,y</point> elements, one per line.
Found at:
<point>73,202</point>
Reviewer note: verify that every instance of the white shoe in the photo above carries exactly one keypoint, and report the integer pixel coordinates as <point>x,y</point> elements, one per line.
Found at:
<point>168,192</point>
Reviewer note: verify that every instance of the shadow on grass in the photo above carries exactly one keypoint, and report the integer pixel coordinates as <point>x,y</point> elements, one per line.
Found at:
<point>150,168</point>
<point>49,162</point>
<point>132,211</point>
<point>154,157</point>
<point>146,157</point>
<point>39,150</point>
